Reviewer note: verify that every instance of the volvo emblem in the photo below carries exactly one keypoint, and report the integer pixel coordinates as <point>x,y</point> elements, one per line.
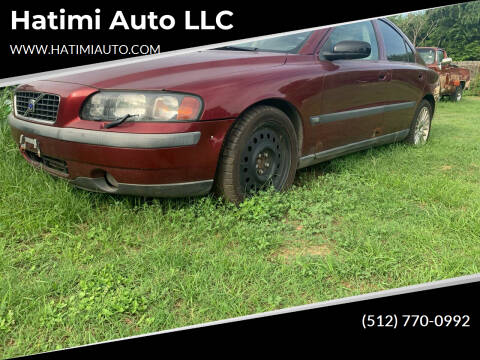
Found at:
<point>31,104</point>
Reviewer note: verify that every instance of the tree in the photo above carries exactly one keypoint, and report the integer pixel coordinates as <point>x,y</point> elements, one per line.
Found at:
<point>416,26</point>
<point>456,28</point>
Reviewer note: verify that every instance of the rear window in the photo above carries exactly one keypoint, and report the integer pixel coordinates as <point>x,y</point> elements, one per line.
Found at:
<point>394,44</point>
<point>410,54</point>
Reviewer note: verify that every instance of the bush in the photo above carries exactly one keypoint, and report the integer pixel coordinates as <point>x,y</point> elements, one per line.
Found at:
<point>474,87</point>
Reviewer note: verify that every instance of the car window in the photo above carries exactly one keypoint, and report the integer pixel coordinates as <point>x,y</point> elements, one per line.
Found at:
<point>361,31</point>
<point>286,43</point>
<point>440,56</point>
<point>428,55</point>
<point>410,54</point>
<point>394,43</point>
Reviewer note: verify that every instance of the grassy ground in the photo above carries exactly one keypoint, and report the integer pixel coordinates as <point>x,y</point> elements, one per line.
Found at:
<point>78,267</point>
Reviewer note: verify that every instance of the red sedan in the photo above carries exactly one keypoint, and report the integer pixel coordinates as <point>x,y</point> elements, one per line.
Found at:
<point>236,118</point>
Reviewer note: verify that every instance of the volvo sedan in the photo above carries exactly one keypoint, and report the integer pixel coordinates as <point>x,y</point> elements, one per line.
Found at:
<point>234,119</point>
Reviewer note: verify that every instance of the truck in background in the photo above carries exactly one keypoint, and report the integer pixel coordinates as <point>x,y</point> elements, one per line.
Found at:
<point>452,79</point>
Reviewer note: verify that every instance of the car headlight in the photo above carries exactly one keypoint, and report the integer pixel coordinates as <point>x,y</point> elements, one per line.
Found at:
<point>143,105</point>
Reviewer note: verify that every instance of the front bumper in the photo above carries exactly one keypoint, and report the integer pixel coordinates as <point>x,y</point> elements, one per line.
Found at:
<point>103,138</point>
<point>173,161</point>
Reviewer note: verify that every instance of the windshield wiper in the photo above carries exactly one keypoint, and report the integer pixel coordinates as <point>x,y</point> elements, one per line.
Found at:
<point>236,48</point>
<point>119,121</point>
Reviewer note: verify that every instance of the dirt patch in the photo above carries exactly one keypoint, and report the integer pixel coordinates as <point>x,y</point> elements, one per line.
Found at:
<point>130,322</point>
<point>178,303</point>
<point>422,205</point>
<point>446,167</point>
<point>360,287</point>
<point>289,252</point>
<point>347,285</point>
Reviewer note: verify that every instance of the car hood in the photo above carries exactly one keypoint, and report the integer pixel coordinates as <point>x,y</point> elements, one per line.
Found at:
<point>177,72</point>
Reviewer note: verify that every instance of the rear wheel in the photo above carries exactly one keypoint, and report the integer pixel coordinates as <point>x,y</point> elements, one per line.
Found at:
<point>260,151</point>
<point>457,96</point>
<point>420,127</point>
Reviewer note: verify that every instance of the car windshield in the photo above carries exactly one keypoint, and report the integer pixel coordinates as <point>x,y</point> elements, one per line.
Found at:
<point>428,55</point>
<point>287,43</point>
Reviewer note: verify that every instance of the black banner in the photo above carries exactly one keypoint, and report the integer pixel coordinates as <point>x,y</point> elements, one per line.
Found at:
<point>47,36</point>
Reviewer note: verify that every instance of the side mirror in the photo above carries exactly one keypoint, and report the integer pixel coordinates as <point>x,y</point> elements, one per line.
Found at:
<point>349,50</point>
<point>447,61</point>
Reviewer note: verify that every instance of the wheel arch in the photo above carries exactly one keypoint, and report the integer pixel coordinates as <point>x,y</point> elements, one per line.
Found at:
<point>289,109</point>
<point>431,100</point>
<point>279,105</point>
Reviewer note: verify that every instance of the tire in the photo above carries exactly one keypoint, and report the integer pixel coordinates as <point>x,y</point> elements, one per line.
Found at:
<point>457,96</point>
<point>421,124</point>
<point>260,150</point>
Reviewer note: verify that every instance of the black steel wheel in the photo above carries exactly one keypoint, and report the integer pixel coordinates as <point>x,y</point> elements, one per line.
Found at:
<point>260,151</point>
<point>265,159</point>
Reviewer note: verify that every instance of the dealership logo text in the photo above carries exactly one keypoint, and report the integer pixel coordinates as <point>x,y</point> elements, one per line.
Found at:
<point>150,21</point>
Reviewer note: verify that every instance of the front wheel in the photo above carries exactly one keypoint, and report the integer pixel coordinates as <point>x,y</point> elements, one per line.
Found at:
<point>261,150</point>
<point>420,127</point>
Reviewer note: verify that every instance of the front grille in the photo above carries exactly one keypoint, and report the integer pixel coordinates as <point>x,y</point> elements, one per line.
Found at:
<point>49,162</point>
<point>44,109</point>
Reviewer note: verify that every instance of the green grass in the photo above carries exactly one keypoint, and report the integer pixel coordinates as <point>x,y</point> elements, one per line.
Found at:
<point>78,267</point>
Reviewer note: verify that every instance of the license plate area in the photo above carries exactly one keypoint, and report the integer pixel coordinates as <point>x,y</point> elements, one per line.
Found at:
<point>31,149</point>
<point>30,144</point>
<point>56,166</point>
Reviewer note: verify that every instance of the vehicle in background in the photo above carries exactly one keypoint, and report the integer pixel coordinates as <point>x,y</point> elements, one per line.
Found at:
<point>453,79</point>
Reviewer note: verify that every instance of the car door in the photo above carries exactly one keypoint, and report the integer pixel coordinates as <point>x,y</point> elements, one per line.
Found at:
<point>353,91</point>
<point>407,82</point>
